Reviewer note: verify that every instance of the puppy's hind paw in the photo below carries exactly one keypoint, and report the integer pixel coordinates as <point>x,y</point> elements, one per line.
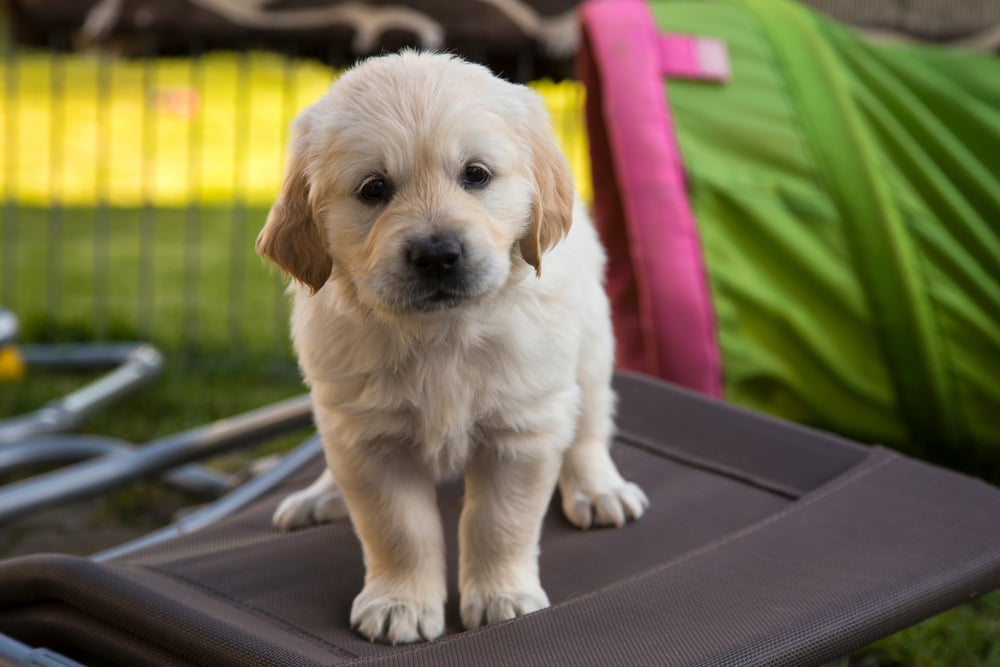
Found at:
<point>604,507</point>
<point>308,507</point>
<point>483,608</point>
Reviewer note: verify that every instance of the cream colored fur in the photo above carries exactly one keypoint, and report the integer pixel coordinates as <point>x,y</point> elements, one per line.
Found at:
<point>508,381</point>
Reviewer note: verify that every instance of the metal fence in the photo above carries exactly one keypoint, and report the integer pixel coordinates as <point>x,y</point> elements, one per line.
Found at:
<point>133,189</point>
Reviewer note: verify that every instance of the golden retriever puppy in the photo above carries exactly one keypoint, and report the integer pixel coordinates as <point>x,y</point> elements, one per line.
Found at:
<point>448,315</point>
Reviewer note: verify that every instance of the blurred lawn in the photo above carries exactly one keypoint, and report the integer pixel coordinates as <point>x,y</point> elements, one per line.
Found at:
<point>178,277</point>
<point>966,636</point>
<point>134,189</point>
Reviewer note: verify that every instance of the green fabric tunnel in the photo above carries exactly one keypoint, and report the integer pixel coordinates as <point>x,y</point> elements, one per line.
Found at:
<point>799,221</point>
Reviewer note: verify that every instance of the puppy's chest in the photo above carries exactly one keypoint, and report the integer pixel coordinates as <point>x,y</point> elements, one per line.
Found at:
<point>441,406</point>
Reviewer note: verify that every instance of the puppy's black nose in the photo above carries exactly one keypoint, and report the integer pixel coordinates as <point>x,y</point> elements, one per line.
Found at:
<point>437,255</point>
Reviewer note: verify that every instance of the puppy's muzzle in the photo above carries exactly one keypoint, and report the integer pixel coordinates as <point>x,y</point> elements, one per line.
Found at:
<point>441,275</point>
<point>437,257</point>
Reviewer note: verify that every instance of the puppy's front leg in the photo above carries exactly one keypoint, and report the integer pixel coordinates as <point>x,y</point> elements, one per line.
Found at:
<point>391,501</point>
<point>506,494</point>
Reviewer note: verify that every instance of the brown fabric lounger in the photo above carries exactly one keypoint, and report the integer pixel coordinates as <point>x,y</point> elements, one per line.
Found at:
<point>766,544</point>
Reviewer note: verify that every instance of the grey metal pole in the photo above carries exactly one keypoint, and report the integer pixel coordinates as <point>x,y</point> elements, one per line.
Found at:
<point>15,654</point>
<point>140,363</point>
<point>60,449</point>
<point>8,326</point>
<point>107,472</point>
<point>233,502</point>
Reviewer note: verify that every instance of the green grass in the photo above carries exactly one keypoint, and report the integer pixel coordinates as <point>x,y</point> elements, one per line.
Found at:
<point>176,277</point>
<point>963,637</point>
<point>194,388</point>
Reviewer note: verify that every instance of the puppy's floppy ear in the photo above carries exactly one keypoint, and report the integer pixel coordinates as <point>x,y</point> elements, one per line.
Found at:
<point>292,237</point>
<point>552,208</point>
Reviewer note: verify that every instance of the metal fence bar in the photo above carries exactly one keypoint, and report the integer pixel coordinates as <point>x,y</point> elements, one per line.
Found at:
<point>102,191</point>
<point>289,98</point>
<point>146,296</point>
<point>57,142</point>
<point>192,216</point>
<point>238,217</point>
<point>10,213</point>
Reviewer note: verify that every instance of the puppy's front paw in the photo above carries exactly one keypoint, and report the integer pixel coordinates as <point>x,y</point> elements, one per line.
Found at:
<point>602,504</point>
<point>396,618</point>
<point>480,607</point>
<point>307,507</point>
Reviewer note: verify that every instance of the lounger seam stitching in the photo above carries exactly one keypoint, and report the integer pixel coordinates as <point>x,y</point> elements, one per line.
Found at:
<point>792,509</point>
<point>762,482</point>
<point>304,634</point>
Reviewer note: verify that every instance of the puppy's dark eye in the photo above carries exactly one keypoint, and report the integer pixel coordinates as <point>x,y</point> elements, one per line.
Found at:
<point>374,189</point>
<point>476,176</point>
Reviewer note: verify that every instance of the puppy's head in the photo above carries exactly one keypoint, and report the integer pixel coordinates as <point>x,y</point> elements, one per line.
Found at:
<point>421,179</point>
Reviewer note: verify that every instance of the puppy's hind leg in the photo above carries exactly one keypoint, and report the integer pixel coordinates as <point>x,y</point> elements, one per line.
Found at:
<point>320,502</point>
<point>593,492</point>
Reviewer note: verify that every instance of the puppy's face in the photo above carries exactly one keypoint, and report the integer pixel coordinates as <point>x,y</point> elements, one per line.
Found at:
<point>422,180</point>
